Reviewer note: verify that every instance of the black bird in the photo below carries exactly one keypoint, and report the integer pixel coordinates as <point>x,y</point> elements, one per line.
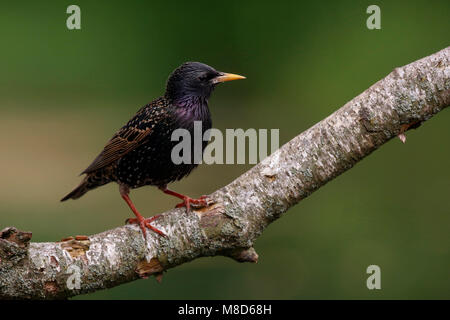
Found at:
<point>139,154</point>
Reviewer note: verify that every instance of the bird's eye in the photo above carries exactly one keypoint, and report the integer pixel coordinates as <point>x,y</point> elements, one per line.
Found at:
<point>203,77</point>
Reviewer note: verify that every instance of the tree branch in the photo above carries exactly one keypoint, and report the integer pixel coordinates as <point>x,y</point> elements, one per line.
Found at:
<point>241,210</point>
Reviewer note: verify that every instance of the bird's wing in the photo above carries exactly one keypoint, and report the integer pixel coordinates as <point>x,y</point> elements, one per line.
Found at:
<point>129,136</point>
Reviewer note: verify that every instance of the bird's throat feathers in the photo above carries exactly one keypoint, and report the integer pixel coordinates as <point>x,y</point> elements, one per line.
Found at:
<point>192,108</point>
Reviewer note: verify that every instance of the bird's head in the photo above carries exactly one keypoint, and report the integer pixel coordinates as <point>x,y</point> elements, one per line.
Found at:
<point>195,79</point>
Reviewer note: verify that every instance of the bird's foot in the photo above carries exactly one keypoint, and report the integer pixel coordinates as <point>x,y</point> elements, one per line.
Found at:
<point>201,202</point>
<point>145,223</point>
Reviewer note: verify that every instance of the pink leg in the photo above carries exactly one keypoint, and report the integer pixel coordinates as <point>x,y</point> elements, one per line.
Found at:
<point>140,220</point>
<point>186,200</point>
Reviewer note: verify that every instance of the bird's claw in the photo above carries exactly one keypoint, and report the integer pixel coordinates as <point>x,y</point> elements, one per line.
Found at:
<point>201,202</point>
<point>145,223</point>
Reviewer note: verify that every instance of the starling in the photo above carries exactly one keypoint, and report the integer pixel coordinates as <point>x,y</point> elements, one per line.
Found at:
<point>139,154</point>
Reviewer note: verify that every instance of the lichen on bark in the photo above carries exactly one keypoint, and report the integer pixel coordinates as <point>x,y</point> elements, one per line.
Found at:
<point>241,210</point>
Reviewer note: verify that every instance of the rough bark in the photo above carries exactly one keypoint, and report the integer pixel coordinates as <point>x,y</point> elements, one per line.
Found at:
<point>241,210</point>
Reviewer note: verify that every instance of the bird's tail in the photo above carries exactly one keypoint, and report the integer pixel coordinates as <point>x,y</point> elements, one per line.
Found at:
<point>89,182</point>
<point>78,191</point>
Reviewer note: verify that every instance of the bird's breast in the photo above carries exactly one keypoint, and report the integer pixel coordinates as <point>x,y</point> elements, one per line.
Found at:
<point>185,117</point>
<point>152,163</point>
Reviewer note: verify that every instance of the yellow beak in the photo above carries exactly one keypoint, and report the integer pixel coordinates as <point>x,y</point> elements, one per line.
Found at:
<point>227,77</point>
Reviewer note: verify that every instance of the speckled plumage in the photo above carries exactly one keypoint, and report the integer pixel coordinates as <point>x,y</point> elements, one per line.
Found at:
<point>150,163</point>
<point>139,153</point>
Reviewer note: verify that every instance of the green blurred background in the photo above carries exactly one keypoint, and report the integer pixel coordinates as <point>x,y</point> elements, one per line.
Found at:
<point>64,93</point>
